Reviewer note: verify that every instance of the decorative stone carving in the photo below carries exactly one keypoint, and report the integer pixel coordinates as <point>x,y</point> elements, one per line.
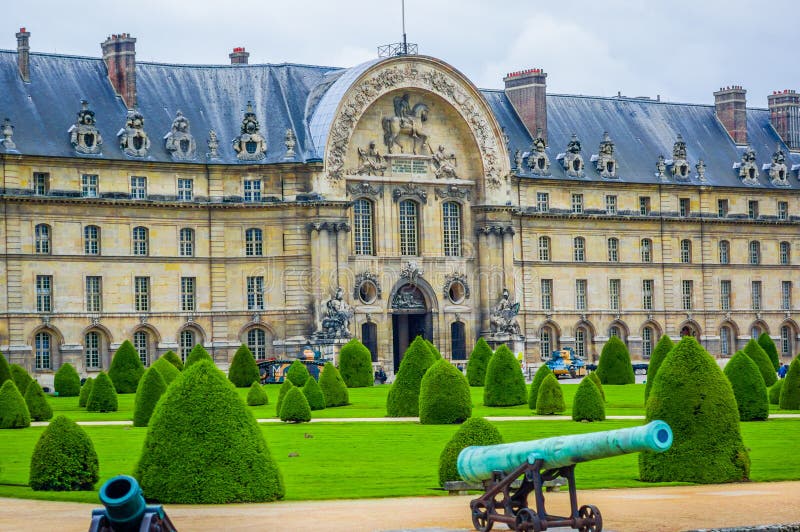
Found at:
<point>444,165</point>
<point>8,133</point>
<point>95,321</point>
<point>778,170</point>
<point>496,230</point>
<point>573,160</point>
<point>290,141</point>
<point>606,163</point>
<point>518,160</point>
<point>456,287</point>
<point>83,134</point>
<point>407,122</point>
<point>748,170</point>
<point>250,145</point>
<point>408,297</point>
<point>453,192</point>
<point>503,316</point>
<point>367,287</point>
<point>661,167</point>
<point>213,145</point>
<point>179,142</point>
<point>365,189</point>
<point>143,319</point>
<point>332,227</point>
<point>410,189</point>
<point>411,271</point>
<point>370,161</point>
<point>255,317</point>
<point>701,170</point>
<point>680,166</point>
<point>133,140</point>
<point>538,161</point>
<point>336,318</point>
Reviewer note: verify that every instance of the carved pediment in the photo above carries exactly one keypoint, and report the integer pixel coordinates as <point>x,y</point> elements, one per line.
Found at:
<point>83,135</point>
<point>133,139</point>
<point>453,192</point>
<point>748,170</point>
<point>538,161</point>
<point>250,145</point>
<point>410,189</point>
<point>179,142</point>
<point>365,189</point>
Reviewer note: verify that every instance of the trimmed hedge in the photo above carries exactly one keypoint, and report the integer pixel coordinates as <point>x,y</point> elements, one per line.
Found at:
<point>13,410</point>
<point>588,404</point>
<point>444,395</point>
<point>197,354</point>
<point>505,383</point>
<point>333,387</point>
<point>437,355</point>
<point>21,378</point>
<point>5,370</point>
<point>662,349</point>
<point>243,370</point>
<point>748,388</point>
<point>595,379</point>
<point>770,349</point>
<point>151,387</point>
<point>173,358</point>
<point>538,377</point>
<point>313,393</point>
<point>103,397</point>
<point>64,459</point>
<point>693,396</point>
<point>86,390</point>
<point>790,391</point>
<point>167,370</point>
<point>295,407</point>
<point>474,431</point>
<point>355,365</point>
<point>774,392</point>
<point>477,363</point>
<point>550,399</point>
<point>66,382</point>
<point>282,391</point>
<point>403,398</point>
<point>38,406</point>
<point>298,373</point>
<point>257,395</point>
<point>760,357</point>
<point>203,445</point>
<point>615,366</point>
<point>126,368</point>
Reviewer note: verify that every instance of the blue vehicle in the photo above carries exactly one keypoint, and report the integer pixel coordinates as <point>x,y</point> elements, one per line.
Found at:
<point>566,363</point>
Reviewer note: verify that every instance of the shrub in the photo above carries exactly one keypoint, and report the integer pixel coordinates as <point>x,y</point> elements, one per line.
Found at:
<point>790,391</point>
<point>167,370</point>
<point>748,388</point>
<point>64,459</point>
<point>38,406</point>
<point>313,393</point>
<point>437,355</point>
<point>13,410</point>
<point>86,390</point>
<point>505,383</point>
<point>693,396</point>
<point>760,357</point>
<point>295,407</point>
<point>474,431</point>
<point>550,399</point>
<point>333,387</point>
<point>20,377</point>
<point>103,397</point>
<point>151,387</point>
<point>663,347</point>
<point>244,370</point>
<point>355,364</point>
<point>126,368</point>
<point>588,404</point>
<point>298,373</point>
<point>66,382</point>
<point>538,377</point>
<point>173,358</point>
<point>615,366</point>
<point>257,396</point>
<point>595,379</point>
<point>203,445</point>
<point>282,391</point>
<point>403,398</point>
<point>5,370</point>
<point>444,395</point>
<point>774,392</point>
<point>197,354</point>
<point>478,360</point>
<point>769,348</point>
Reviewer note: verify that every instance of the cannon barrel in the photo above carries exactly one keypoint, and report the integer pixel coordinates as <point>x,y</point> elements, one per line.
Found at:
<point>477,463</point>
<point>125,509</point>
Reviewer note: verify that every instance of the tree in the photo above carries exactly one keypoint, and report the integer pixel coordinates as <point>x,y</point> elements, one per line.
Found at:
<point>692,395</point>
<point>86,390</point>
<point>151,387</point>
<point>173,358</point>
<point>766,343</point>
<point>197,354</point>
<point>257,396</point>
<point>5,370</point>
<point>103,397</point>
<point>13,410</point>
<point>313,393</point>
<point>64,459</point>
<point>333,387</point>
<point>774,392</point>
<point>477,363</point>
<point>295,407</point>
<point>298,373</point>
<point>66,382</point>
<point>588,404</point>
<point>760,357</point>
<point>20,377</point>
<point>748,388</point>
<point>663,347</point>
<point>203,445</point>
<point>538,377</point>
<point>551,398</point>
<point>282,391</point>
<point>615,366</point>
<point>167,370</point>
<point>38,406</point>
<point>474,431</point>
<point>355,364</point>
<point>444,395</point>
<point>437,355</point>
<point>403,398</point>
<point>595,379</point>
<point>505,383</point>
<point>244,370</point>
<point>126,368</point>
<point>790,391</point>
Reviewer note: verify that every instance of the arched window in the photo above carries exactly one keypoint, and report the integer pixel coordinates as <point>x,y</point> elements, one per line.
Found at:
<point>615,331</point>
<point>141,342</point>
<point>646,247</point>
<point>613,250</point>
<point>42,239</point>
<point>140,241</point>
<point>725,343</point>
<point>186,242</point>
<point>581,335</point>
<point>451,229</point>
<point>409,228</point>
<point>458,341</point>
<point>647,341</point>
<point>91,240</point>
<point>786,253</point>
<point>544,248</point>
<point>363,227</point>
<point>579,249</point>
<point>187,342</point>
<point>257,343</point>
<point>253,242</point>
<point>755,252</point>
<point>686,251</point>
<point>43,341</point>
<point>724,252</point>
<point>786,341</point>
<point>755,332</point>
<point>91,348</point>
<point>369,337</point>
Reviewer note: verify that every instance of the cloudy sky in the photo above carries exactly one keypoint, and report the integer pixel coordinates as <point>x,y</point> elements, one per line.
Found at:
<point>681,50</point>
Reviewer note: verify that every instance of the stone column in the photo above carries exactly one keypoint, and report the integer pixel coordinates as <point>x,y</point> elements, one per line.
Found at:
<point>484,271</point>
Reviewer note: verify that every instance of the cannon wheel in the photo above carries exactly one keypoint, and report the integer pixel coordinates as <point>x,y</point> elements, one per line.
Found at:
<point>480,517</point>
<point>593,521</point>
<point>528,520</point>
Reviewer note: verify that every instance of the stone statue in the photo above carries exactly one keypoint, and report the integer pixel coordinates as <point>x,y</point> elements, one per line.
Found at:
<point>679,148</point>
<point>289,140</point>
<point>250,145</point>
<point>132,138</point>
<point>573,160</point>
<point>606,164</point>
<point>337,315</point>
<point>518,160</point>
<point>503,317</point>
<point>213,144</point>
<point>370,161</point>
<point>179,142</point>
<point>574,145</point>
<point>748,170</point>
<point>661,167</point>
<point>444,165</point>
<point>778,170</point>
<point>701,170</point>
<point>680,166</point>
<point>83,135</point>
<point>407,121</point>
<point>8,132</point>
<point>538,161</point>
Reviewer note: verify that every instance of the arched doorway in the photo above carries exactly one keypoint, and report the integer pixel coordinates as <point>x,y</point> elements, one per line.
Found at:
<point>411,317</point>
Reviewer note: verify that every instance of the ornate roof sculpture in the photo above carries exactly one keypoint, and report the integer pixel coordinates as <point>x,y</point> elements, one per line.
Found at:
<point>538,161</point>
<point>606,163</point>
<point>250,145</point>
<point>84,135</point>
<point>179,141</point>
<point>572,159</point>
<point>680,166</point>
<point>133,139</point>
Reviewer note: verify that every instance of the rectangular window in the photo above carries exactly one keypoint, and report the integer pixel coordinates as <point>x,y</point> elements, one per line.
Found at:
<point>89,186</point>
<point>725,295</point>
<point>647,294</point>
<point>255,293</point>
<point>684,207</point>
<point>577,204</point>
<point>786,295</point>
<point>752,209</point>
<point>188,294</point>
<point>544,248</point>
<point>580,294</point>
<point>756,294</point>
<point>547,294</point>
<point>644,205</point>
<point>409,228</point>
<point>141,294</point>
<point>138,187</point>
<point>613,250</point>
<point>41,183</point>
<point>613,294</point>
<point>451,229</point>
<point>722,208</point>
<point>186,190</point>
<point>92,350</point>
<point>646,248</point>
<point>543,202</point>
<point>94,294</point>
<point>783,210</point>
<point>44,293</point>
<point>611,204</point>
<point>252,190</point>
<point>687,289</point>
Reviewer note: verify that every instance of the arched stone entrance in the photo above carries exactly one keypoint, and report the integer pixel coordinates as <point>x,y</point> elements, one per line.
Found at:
<point>411,317</point>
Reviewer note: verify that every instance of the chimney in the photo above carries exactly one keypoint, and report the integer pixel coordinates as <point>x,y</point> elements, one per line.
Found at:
<point>23,54</point>
<point>239,56</point>
<point>730,107</point>
<point>526,91</point>
<point>119,53</point>
<point>784,115</point>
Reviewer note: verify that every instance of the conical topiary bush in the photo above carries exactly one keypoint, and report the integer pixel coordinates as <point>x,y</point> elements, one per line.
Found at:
<point>38,406</point>
<point>298,373</point>
<point>692,395</point>
<point>662,349</point>
<point>595,379</point>
<point>774,392</point>
<point>295,408</point>
<point>748,388</point>
<point>313,393</point>
<point>444,395</point>
<point>126,368</point>
<point>282,391</point>
<point>203,445</point>
<point>333,387</point>
<point>505,383</point>
<point>477,363</point>
<point>474,431</point>
<point>244,370</point>
<point>66,382</point>
<point>538,377</point>
<point>64,459</point>
<point>551,399</point>
<point>437,355</point>
<point>173,358</point>
<point>615,366</point>
<point>167,370</point>
<point>151,388</point>
<point>103,397</point>
<point>588,404</point>
<point>790,391</point>
<point>86,390</point>
<point>5,369</point>
<point>766,343</point>
<point>21,378</point>
<point>257,395</point>
<point>197,354</point>
<point>760,357</point>
<point>13,410</point>
<point>355,364</point>
<point>403,398</point>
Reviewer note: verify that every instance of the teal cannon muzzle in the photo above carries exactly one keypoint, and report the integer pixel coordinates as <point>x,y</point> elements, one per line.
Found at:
<point>478,463</point>
<point>124,503</point>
